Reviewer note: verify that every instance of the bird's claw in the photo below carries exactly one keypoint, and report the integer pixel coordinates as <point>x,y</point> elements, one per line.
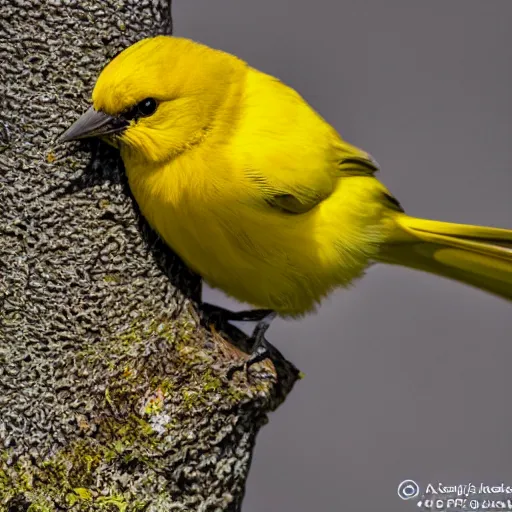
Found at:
<point>257,356</point>
<point>260,348</point>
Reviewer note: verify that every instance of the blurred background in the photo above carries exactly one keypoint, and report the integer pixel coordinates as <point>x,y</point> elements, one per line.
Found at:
<point>407,374</point>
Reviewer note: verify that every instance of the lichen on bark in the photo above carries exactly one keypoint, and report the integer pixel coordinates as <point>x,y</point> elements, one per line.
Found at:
<point>113,393</point>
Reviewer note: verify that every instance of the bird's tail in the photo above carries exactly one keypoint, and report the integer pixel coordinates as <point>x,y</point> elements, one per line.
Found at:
<point>475,255</point>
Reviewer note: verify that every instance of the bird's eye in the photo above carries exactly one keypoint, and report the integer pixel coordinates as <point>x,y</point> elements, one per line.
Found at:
<point>146,107</point>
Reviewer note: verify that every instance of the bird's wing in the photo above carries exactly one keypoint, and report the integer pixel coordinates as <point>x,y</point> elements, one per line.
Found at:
<point>291,155</point>
<point>298,190</point>
<point>357,164</point>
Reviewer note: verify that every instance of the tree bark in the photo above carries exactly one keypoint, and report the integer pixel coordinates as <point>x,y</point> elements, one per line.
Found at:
<point>113,393</point>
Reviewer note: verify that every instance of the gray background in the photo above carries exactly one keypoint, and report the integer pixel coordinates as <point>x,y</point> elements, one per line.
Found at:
<point>407,375</point>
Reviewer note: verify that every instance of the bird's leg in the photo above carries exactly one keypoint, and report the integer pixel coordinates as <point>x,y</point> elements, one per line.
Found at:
<point>264,317</point>
<point>250,315</point>
<point>260,349</point>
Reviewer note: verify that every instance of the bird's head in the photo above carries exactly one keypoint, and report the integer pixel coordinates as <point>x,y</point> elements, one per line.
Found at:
<point>158,98</point>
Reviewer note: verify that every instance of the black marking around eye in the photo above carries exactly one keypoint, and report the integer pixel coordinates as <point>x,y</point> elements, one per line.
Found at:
<point>144,108</point>
<point>147,107</point>
<point>118,122</point>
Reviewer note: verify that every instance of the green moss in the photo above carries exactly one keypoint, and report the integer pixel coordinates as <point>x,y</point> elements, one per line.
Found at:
<point>235,395</point>
<point>40,507</point>
<point>129,337</point>
<point>70,476</point>
<point>117,501</point>
<point>78,495</point>
<point>4,479</point>
<point>205,389</point>
<point>112,278</point>
<point>210,382</point>
<point>83,494</point>
<point>167,386</point>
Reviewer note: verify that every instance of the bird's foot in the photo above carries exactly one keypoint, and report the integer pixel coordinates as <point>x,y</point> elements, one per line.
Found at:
<point>259,348</point>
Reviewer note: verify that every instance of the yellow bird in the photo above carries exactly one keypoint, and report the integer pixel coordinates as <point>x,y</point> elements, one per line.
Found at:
<point>256,192</point>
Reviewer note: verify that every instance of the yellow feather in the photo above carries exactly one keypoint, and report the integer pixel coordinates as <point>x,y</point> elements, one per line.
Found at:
<point>259,194</point>
<point>476,255</point>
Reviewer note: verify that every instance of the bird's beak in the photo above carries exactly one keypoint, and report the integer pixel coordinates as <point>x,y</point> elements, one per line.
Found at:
<point>94,124</point>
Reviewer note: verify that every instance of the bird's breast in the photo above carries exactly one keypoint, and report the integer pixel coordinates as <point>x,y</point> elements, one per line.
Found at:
<point>188,209</point>
<point>256,254</point>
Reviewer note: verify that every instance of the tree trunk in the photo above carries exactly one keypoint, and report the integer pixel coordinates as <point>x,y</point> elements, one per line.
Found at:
<point>113,393</point>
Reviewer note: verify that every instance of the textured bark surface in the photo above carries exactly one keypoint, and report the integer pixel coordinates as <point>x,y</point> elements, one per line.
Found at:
<point>113,395</point>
